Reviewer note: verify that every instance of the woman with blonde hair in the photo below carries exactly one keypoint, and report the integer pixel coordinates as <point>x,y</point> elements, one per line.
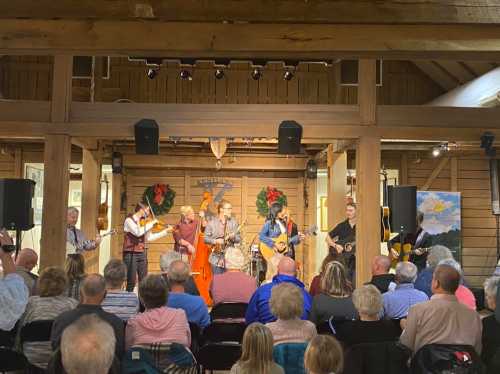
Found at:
<point>75,271</point>
<point>335,299</point>
<point>324,355</point>
<point>257,352</point>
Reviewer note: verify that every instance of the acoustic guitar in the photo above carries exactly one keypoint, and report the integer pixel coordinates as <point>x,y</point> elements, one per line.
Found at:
<point>221,248</point>
<point>102,219</point>
<point>281,242</point>
<point>385,228</point>
<point>403,254</point>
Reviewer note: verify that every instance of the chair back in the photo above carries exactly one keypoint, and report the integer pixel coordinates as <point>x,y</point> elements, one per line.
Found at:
<point>163,357</point>
<point>376,358</point>
<point>290,356</point>
<point>11,360</point>
<point>195,337</point>
<point>328,327</point>
<point>224,332</point>
<point>446,358</point>
<point>7,338</point>
<point>219,356</point>
<point>36,331</point>
<point>228,311</point>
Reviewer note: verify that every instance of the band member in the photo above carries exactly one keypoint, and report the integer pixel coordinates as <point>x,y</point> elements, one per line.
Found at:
<point>221,231</point>
<point>419,240</point>
<point>138,231</point>
<point>75,237</point>
<point>292,231</point>
<point>275,226</point>
<point>185,232</point>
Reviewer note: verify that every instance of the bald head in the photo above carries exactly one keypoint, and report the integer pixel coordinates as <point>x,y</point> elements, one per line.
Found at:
<point>445,280</point>
<point>93,289</point>
<point>27,258</point>
<point>287,266</point>
<point>380,265</point>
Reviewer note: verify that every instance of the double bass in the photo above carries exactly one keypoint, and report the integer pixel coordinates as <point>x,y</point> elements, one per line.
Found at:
<point>202,271</point>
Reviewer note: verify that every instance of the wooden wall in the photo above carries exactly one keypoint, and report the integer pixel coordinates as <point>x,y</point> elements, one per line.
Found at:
<point>403,83</point>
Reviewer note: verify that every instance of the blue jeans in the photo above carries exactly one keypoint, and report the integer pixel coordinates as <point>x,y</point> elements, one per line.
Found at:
<point>217,269</point>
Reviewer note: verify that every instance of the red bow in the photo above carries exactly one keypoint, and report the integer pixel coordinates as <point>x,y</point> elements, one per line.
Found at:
<point>159,191</point>
<point>272,194</point>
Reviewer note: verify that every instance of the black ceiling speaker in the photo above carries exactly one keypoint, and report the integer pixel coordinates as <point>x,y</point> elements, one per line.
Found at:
<point>16,212</point>
<point>289,136</point>
<point>147,137</point>
<point>403,207</point>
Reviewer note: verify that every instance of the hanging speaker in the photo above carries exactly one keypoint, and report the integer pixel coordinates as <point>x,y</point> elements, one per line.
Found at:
<point>289,136</point>
<point>147,137</point>
<point>495,196</point>
<point>403,208</point>
<point>16,196</point>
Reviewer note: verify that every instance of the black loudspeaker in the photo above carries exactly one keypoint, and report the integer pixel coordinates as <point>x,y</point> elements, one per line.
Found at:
<point>403,208</point>
<point>495,196</point>
<point>147,137</point>
<point>16,196</point>
<point>289,136</point>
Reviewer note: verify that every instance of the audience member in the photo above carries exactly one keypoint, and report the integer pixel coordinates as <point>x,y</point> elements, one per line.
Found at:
<point>233,286</point>
<point>194,306</point>
<point>381,278</point>
<point>398,302</point>
<point>287,304</point>
<point>491,327</point>
<point>324,355</point>
<point>92,293</point>
<point>50,303</point>
<point>463,294</point>
<point>424,278</point>
<point>13,292</point>
<point>88,346</point>
<point>315,287</point>
<point>119,302</point>
<point>158,323</point>
<point>26,261</point>
<point>75,271</point>
<point>369,328</point>
<point>335,299</point>
<point>257,352</point>
<point>442,319</point>
<point>165,260</point>
<point>258,307</point>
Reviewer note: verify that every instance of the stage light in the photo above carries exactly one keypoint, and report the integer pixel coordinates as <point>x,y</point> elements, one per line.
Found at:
<point>256,74</point>
<point>436,151</point>
<point>152,72</point>
<point>288,75</point>
<point>219,74</point>
<point>186,75</point>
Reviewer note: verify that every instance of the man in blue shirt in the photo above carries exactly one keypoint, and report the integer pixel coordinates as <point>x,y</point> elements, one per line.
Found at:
<point>424,278</point>
<point>258,308</point>
<point>194,306</point>
<point>398,302</point>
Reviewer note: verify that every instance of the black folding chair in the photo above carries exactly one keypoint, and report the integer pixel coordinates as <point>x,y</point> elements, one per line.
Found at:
<point>37,331</point>
<point>7,338</point>
<point>227,311</point>
<point>224,332</point>
<point>218,356</point>
<point>195,337</point>
<point>376,358</point>
<point>11,360</point>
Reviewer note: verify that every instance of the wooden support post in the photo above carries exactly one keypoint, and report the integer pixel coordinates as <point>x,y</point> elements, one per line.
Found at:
<point>299,253</point>
<point>454,174</point>
<point>116,215</point>
<point>367,91</point>
<point>61,88</point>
<point>91,196</point>
<point>96,81</point>
<point>404,169</point>
<point>18,163</point>
<point>311,214</point>
<point>337,178</point>
<point>368,212</point>
<point>57,154</point>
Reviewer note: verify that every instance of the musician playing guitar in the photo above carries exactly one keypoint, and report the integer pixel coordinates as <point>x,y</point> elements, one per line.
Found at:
<point>221,231</point>
<point>76,237</point>
<point>185,232</point>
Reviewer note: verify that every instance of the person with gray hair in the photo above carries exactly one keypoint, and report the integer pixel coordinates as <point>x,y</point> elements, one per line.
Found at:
<point>26,261</point>
<point>491,326</point>
<point>88,346</point>
<point>424,279</point>
<point>77,242</point>
<point>121,303</point>
<point>93,292</point>
<point>398,302</point>
<point>166,259</point>
<point>194,306</point>
<point>463,294</point>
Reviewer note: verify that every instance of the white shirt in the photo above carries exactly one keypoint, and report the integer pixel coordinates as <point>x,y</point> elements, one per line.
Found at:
<point>132,226</point>
<point>13,299</point>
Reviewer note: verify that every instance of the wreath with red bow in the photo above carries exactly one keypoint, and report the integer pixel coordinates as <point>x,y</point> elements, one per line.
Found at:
<point>161,197</point>
<point>266,197</point>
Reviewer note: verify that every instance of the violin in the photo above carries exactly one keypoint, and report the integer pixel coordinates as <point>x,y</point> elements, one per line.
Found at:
<point>159,224</point>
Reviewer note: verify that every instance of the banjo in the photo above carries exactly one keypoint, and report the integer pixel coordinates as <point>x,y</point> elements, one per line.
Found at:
<point>72,248</point>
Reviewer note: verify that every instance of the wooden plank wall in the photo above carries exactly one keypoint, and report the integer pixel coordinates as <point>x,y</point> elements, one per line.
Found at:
<point>7,165</point>
<point>29,77</point>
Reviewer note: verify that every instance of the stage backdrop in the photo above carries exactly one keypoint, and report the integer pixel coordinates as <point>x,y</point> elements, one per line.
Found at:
<point>442,218</point>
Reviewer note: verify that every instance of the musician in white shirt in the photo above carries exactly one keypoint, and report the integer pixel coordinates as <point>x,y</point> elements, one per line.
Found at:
<point>76,237</point>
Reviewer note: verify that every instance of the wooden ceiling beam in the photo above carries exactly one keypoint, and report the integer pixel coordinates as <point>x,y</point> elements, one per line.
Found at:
<point>437,74</point>
<point>319,11</point>
<point>479,67</point>
<point>279,41</point>
<point>457,70</point>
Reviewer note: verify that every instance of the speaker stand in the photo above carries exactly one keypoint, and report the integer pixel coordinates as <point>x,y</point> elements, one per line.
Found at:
<point>18,242</point>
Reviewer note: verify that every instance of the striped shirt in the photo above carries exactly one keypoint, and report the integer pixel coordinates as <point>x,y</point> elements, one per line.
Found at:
<point>122,304</point>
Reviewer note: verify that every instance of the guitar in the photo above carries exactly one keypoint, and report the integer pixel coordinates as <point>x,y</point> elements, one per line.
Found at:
<point>348,245</point>
<point>102,219</point>
<point>385,228</point>
<point>281,242</point>
<point>403,254</point>
<point>221,248</point>
<point>72,249</point>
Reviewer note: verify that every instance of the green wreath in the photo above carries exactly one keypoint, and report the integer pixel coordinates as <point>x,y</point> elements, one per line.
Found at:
<point>161,197</point>
<point>266,197</point>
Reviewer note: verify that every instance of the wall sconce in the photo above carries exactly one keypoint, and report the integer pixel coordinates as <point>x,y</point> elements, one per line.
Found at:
<point>117,162</point>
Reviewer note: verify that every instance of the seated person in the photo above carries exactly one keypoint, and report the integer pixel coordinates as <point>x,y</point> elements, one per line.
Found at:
<point>258,306</point>
<point>119,302</point>
<point>49,304</point>
<point>381,278</point>
<point>158,323</point>
<point>324,355</point>
<point>398,302</point>
<point>75,271</point>
<point>287,304</point>
<point>463,294</point>
<point>233,286</point>
<point>315,288</point>
<point>369,328</point>
<point>165,260</point>
<point>491,326</point>
<point>194,306</point>
<point>335,298</point>
<point>436,254</point>
<point>26,261</point>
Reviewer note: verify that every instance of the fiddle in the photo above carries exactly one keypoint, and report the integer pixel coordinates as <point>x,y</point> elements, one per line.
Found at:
<point>158,225</point>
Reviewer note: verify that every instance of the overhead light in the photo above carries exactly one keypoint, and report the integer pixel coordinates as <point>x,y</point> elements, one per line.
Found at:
<point>186,75</point>
<point>436,151</point>
<point>219,73</point>
<point>117,162</point>
<point>152,72</point>
<point>256,74</point>
<point>288,75</point>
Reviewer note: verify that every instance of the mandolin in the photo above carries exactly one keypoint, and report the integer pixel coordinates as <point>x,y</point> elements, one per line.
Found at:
<point>102,218</point>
